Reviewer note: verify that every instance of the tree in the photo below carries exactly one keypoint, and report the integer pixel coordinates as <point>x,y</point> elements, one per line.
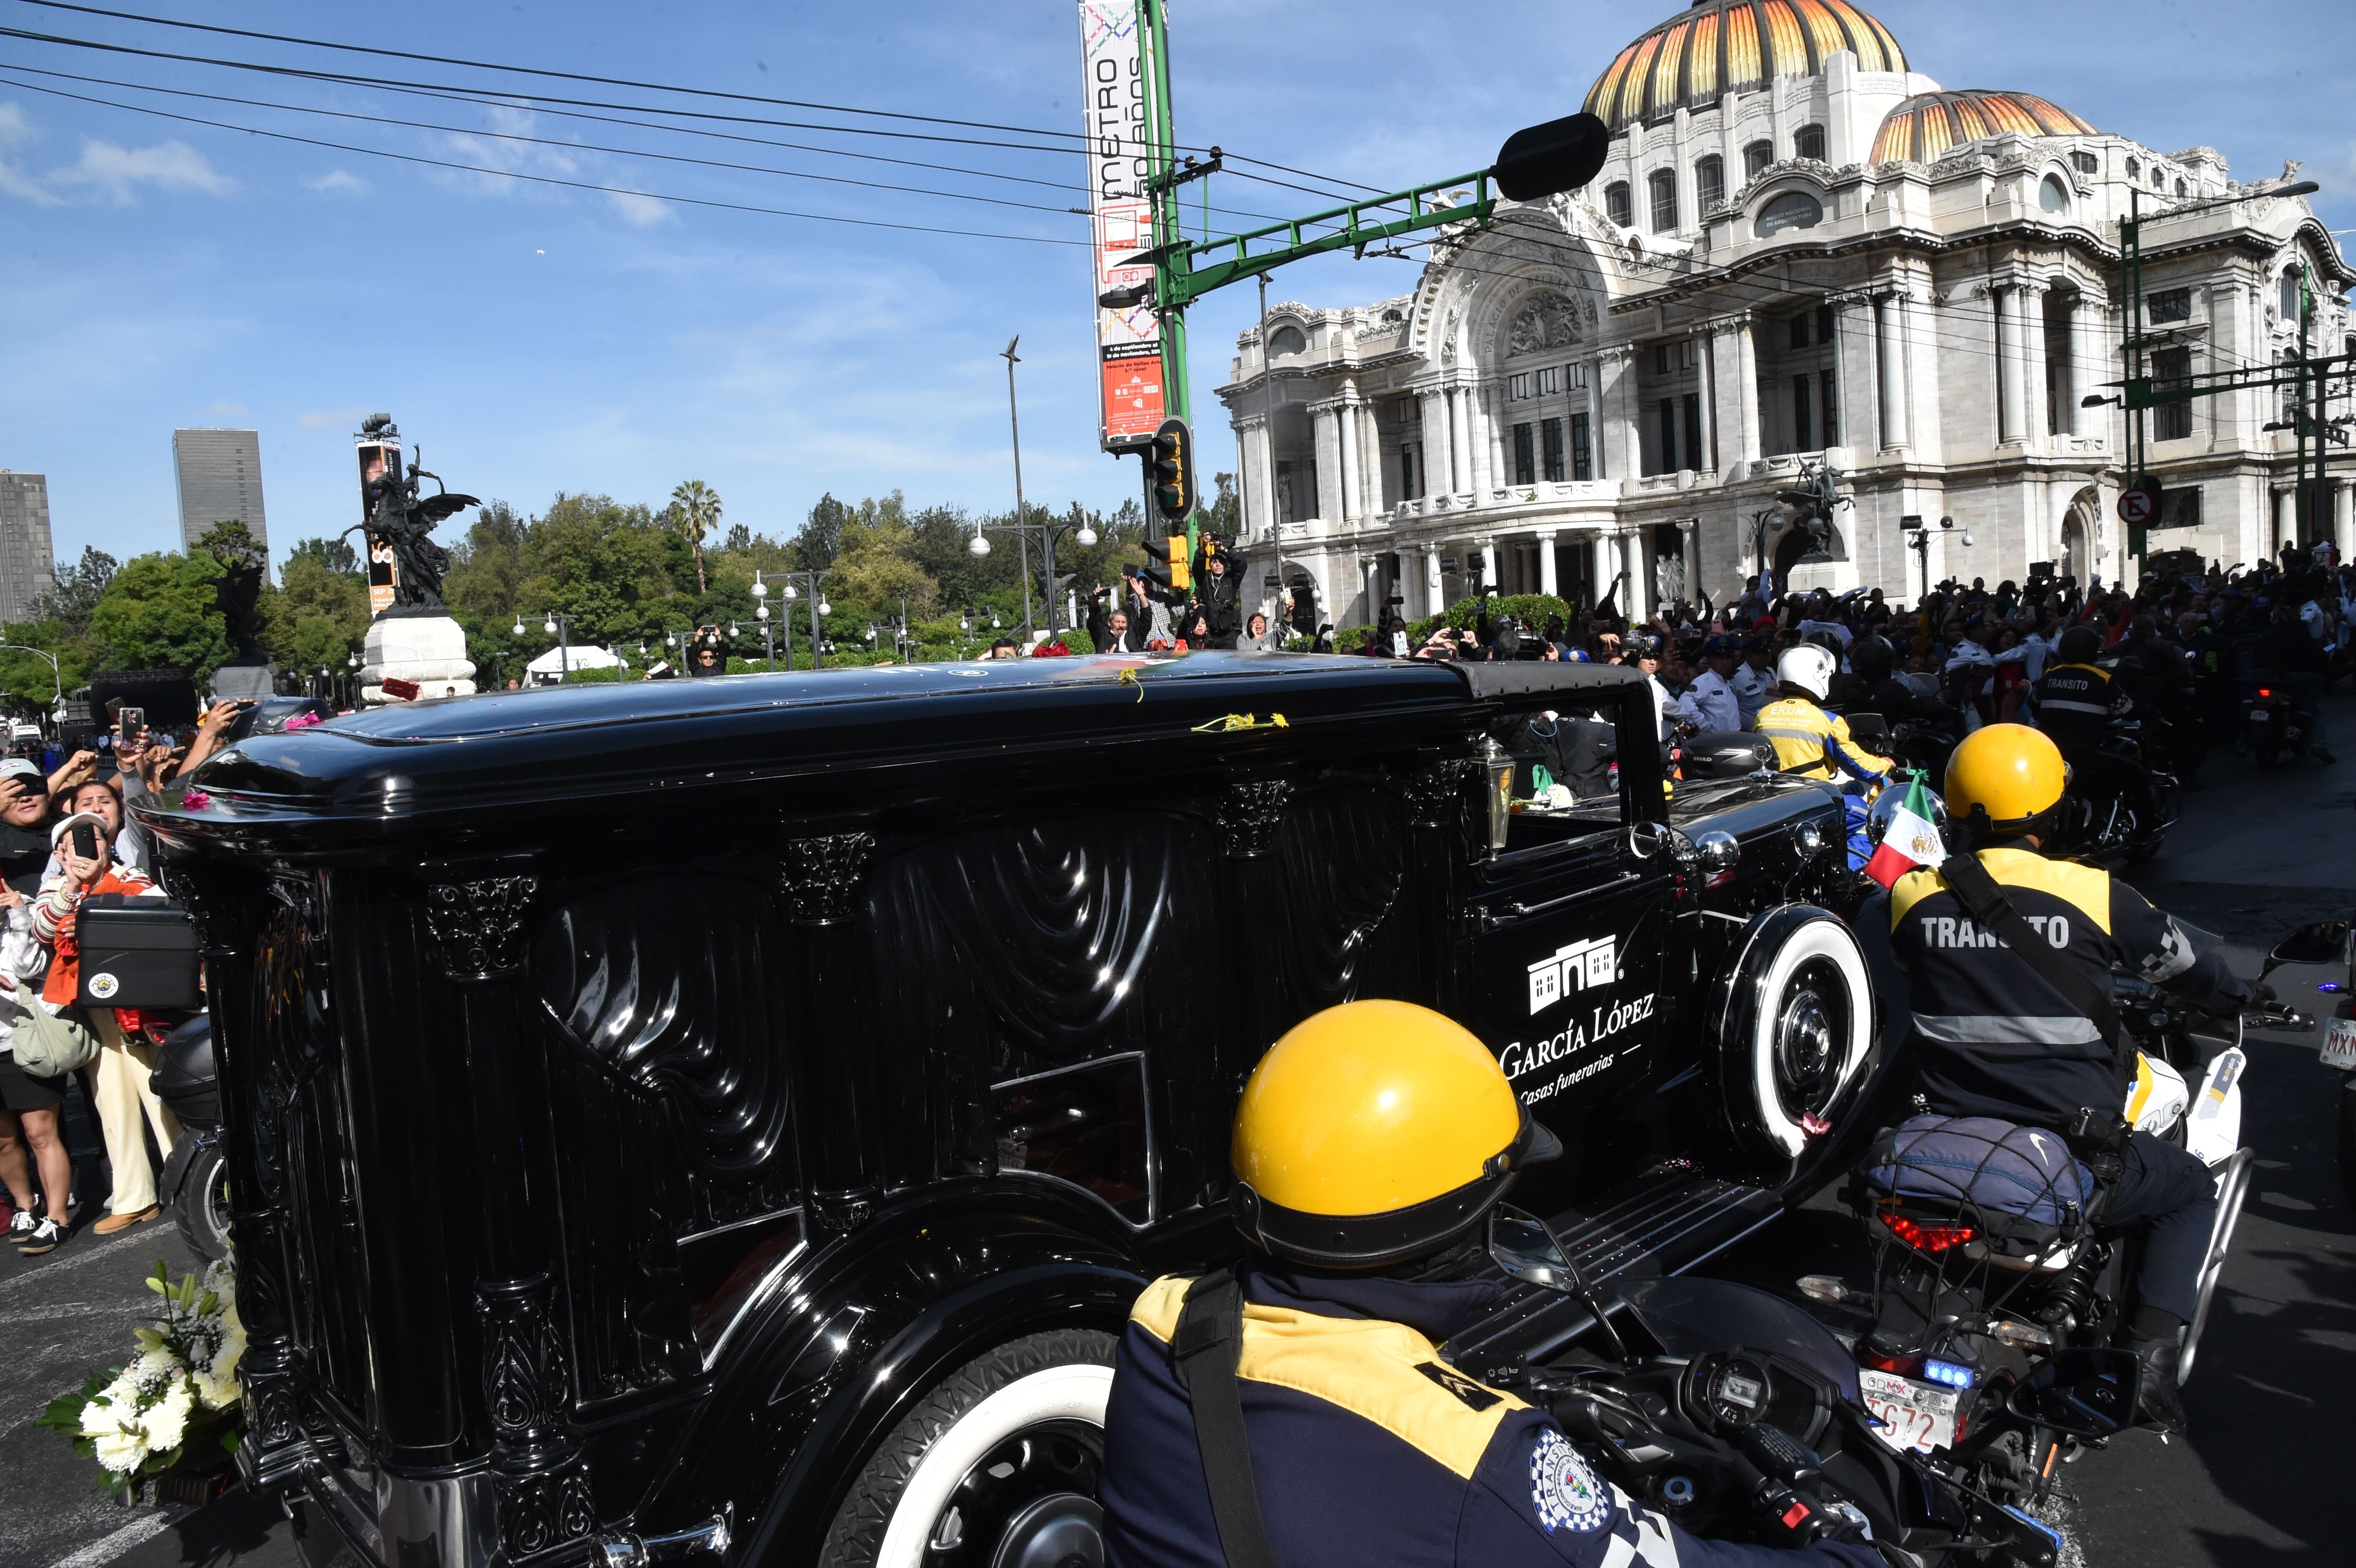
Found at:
<point>694,512</point>
<point>336,555</point>
<point>232,544</point>
<point>79,588</point>
<point>317,615</point>
<point>822,534</point>
<point>1225,517</point>
<point>159,612</point>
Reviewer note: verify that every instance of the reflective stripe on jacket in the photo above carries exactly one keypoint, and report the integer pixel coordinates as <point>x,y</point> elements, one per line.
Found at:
<point>1800,731</point>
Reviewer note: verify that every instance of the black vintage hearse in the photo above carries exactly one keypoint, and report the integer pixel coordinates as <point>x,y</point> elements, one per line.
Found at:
<point>737,1115</point>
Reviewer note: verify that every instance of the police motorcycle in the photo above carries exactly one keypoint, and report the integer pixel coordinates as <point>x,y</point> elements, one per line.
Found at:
<point>195,1183</point>
<point>1740,1417</point>
<point>2111,821</point>
<point>2330,942</point>
<point>1989,1276</point>
<point>2280,724</point>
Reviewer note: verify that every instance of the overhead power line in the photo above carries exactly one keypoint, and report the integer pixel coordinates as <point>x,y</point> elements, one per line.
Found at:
<point>545,180</point>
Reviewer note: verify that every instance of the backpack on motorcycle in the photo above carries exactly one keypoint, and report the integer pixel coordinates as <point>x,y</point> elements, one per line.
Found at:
<point>2018,1190</point>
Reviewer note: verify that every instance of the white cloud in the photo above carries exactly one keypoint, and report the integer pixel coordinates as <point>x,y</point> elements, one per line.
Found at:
<point>333,419</point>
<point>14,181</point>
<point>640,211</point>
<point>119,171</point>
<point>227,411</point>
<point>337,182</point>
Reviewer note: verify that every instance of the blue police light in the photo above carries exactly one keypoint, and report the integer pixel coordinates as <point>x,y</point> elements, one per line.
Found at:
<point>2330,987</point>
<point>1948,1372</point>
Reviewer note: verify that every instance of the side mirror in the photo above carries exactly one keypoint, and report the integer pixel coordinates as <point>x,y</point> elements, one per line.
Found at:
<point>2325,942</point>
<point>2079,1393</point>
<point>1526,1248</point>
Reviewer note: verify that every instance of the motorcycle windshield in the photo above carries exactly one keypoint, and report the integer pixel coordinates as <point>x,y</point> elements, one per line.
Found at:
<point>1690,1315</point>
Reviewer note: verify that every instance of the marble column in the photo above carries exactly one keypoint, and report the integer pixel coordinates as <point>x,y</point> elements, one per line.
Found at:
<point>1435,592</point>
<point>1734,383</point>
<point>1489,563</point>
<point>1606,567</point>
<point>1476,398</point>
<point>1460,442</point>
<point>1594,378</point>
<point>1545,561</point>
<point>1918,369</point>
<point>1618,436</point>
<point>1370,462</point>
<point>1259,475</point>
<point>1346,501</point>
<point>1853,337</point>
<point>1705,355</point>
<point>2286,529</point>
<point>1372,615</point>
<point>2343,519</point>
<point>1690,530</point>
<point>1889,387</point>
<point>1636,560</point>
<point>2036,424</point>
<point>2090,357</point>
<point>2003,301</point>
<point>1329,462</point>
<point>1434,478</point>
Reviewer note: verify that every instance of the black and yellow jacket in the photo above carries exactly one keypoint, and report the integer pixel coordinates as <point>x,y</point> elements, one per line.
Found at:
<point>1814,743</point>
<point>2075,703</point>
<point>1992,1037</point>
<point>1367,1449</point>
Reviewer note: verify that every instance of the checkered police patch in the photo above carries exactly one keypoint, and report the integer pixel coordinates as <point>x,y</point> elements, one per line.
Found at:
<point>1563,1489</point>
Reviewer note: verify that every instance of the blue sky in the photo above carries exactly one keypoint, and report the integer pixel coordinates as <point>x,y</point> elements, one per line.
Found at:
<point>536,337</point>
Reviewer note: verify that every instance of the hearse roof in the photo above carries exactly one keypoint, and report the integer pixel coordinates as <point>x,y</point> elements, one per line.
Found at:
<point>575,744</point>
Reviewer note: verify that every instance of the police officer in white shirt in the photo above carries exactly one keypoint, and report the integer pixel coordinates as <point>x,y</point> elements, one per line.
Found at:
<point>1755,678</point>
<point>1712,702</point>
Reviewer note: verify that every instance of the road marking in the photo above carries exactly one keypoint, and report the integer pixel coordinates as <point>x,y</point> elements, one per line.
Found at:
<point>49,1271</point>
<point>107,1548</point>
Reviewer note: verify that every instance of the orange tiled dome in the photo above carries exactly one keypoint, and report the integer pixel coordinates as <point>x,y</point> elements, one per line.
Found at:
<point>1719,47</point>
<point>1929,125</point>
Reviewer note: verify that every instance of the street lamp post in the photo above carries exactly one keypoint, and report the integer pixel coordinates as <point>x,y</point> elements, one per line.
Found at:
<point>813,588</point>
<point>1083,534</point>
<point>55,678</point>
<point>768,632</point>
<point>559,626</point>
<point>1918,535</point>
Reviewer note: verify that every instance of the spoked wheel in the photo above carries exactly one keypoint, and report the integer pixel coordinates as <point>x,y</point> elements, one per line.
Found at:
<point>2233,1190</point>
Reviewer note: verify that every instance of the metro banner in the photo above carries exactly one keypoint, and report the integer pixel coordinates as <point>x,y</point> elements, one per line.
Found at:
<point>1128,339</point>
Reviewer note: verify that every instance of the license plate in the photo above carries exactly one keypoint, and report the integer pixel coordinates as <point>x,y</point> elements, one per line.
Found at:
<point>1917,1415</point>
<point>2258,716</point>
<point>2340,1044</point>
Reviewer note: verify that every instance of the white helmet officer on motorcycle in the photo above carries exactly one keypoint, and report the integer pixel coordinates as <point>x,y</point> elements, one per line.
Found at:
<point>1295,1411</point>
<point>1992,1037</point>
<point>1808,741</point>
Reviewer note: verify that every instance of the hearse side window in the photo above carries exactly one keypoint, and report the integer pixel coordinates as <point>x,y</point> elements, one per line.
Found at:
<point>1084,1125</point>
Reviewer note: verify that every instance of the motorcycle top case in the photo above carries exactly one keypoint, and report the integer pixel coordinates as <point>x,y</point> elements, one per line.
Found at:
<point>1985,1165</point>
<point>136,953</point>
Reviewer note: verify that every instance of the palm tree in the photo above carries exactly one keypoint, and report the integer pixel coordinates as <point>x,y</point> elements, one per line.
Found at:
<point>695,512</point>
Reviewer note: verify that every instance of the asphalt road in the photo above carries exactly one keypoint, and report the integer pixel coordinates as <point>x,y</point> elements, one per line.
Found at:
<point>2257,1482</point>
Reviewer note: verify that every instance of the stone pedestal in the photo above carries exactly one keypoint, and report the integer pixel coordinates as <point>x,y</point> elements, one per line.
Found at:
<point>245,682</point>
<point>428,649</point>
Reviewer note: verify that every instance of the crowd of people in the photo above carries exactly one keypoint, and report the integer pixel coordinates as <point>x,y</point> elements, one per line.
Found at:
<point>1965,654</point>
<point>64,837</point>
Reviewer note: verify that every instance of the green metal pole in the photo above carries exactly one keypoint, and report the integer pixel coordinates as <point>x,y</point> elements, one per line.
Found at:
<point>1177,394</point>
<point>2131,349</point>
<point>2302,517</point>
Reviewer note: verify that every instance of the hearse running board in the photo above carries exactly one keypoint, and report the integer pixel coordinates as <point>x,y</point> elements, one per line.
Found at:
<point>1665,1222</point>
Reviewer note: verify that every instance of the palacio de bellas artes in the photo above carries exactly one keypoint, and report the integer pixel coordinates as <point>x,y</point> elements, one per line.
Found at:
<point>1801,250</point>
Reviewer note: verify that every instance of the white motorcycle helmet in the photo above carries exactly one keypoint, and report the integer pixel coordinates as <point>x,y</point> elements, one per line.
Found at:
<point>1809,667</point>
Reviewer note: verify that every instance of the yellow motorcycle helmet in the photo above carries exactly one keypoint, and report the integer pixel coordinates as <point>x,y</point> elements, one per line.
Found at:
<point>1373,1133</point>
<point>2004,780</point>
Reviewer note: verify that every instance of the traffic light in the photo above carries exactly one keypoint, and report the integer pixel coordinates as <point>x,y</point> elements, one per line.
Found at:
<point>1173,464</point>
<point>1166,567</point>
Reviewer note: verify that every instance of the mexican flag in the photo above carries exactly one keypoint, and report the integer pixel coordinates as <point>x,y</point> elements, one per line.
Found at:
<point>1911,840</point>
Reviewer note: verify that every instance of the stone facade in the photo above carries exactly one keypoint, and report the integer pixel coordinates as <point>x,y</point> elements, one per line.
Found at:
<point>1603,392</point>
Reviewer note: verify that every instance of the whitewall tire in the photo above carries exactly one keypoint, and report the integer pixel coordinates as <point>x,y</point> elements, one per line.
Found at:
<point>1795,1026</point>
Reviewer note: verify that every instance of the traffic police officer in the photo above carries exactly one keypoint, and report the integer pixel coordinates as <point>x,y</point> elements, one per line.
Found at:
<point>1994,1038</point>
<point>1808,741</point>
<point>2076,699</point>
<point>1370,1146</point>
<point>1711,703</point>
<point>1754,678</point>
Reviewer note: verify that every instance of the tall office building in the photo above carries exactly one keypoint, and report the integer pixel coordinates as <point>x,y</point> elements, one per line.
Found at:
<point>28,571</point>
<point>220,473</point>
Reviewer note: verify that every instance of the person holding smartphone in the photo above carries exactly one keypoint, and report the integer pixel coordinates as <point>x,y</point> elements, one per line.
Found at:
<point>119,1087</point>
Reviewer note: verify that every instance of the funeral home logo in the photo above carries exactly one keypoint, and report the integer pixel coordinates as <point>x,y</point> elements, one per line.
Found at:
<point>1594,962</point>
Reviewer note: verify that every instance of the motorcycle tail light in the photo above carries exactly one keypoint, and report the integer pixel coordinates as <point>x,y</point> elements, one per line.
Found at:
<point>2264,692</point>
<point>1948,1372</point>
<point>1904,1366</point>
<point>1927,1238</point>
